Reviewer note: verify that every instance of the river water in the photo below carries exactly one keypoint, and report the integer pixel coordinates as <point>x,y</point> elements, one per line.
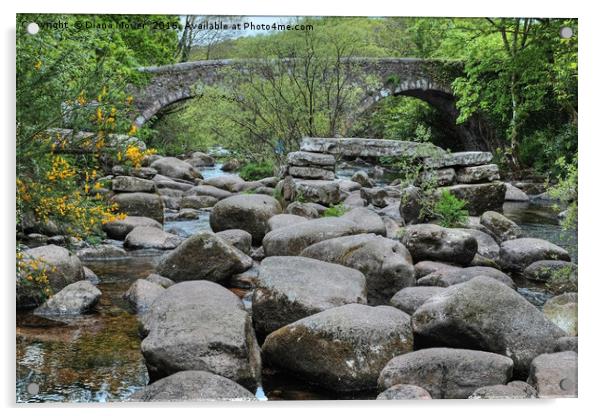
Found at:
<point>97,358</point>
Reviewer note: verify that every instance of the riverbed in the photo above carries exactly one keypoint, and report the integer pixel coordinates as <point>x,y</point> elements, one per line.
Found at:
<point>97,358</point>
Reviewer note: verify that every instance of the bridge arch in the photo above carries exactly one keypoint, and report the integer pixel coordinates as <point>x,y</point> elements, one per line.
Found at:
<point>428,80</point>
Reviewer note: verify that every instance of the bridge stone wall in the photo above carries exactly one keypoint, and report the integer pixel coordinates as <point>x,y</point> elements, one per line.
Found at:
<point>429,80</point>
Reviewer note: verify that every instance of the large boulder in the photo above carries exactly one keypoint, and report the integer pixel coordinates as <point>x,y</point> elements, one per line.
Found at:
<point>513,390</point>
<point>447,373</point>
<point>208,190</point>
<point>362,178</point>
<point>513,194</point>
<point>341,349</point>
<point>404,392</point>
<point>291,288</point>
<point>445,278</point>
<point>366,220</point>
<point>231,183</point>
<point>118,229</point>
<point>245,212</point>
<point>200,325</point>
<point>518,254</point>
<point>142,293</point>
<point>544,270</point>
<point>318,191</point>
<point>151,237</point>
<point>198,201</point>
<point>487,315</point>
<point>193,386</point>
<point>57,263</point>
<point>426,267</point>
<point>284,220</point>
<point>432,242</point>
<point>237,238</point>
<point>555,375</point>
<point>479,197</point>
<point>140,204</point>
<point>132,184</point>
<point>292,240</point>
<point>562,310</point>
<point>200,160</point>
<point>386,264</point>
<point>410,298</point>
<point>74,299</point>
<point>411,204</point>
<point>102,252</point>
<point>487,246</point>
<point>174,168</point>
<point>303,210</point>
<point>163,182</point>
<point>502,227</point>
<point>203,256</point>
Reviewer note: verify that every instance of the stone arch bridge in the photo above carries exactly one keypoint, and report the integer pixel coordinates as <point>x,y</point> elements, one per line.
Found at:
<point>429,80</point>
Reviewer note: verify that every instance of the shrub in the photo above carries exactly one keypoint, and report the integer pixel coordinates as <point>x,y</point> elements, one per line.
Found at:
<point>255,171</point>
<point>335,211</point>
<point>450,210</point>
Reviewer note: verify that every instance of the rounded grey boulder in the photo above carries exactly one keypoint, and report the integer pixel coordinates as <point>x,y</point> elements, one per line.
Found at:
<point>343,348</point>
<point>386,264</point>
<point>432,242</point>
<point>193,386</point>
<point>173,167</point>
<point>203,256</point>
<point>518,254</point>
<point>292,240</point>
<point>404,392</point>
<point>447,373</point>
<point>487,315</point>
<point>74,299</point>
<point>200,325</point>
<point>291,288</point>
<point>513,390</point>
<point>502,227</point>
<point>245,212</point>
<point>151,237</point>
<point>142,294</point>
<point>410,298</point>
<point>118,229</point>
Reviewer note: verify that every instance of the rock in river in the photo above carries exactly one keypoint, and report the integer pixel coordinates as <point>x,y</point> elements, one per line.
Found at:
<point>513,390</point>
<point>61,267</point>
<point>201,325</point>
<point>366,220</point>
<point>245,212</point>
<point>447,373</point>
<point>404,392</point>
<point>203,256</point>
<point>74,299</point>
<point>502,227</point>
<point>140,204</point>
<point>290,241</point>
<point>118,229</point>
<point>555,375</point>
<point>151,237</point>
<point>142,293</point>
<point>518,254</point>
<point>432,242</point>
<point>193,386</point>
<point>291,288</point>
<point>237,238</point>
<point>386,264</point>
<point>487,315</point>
<point>479,197</point>
<point>342,349</point>
<point>562,310</point>
<point>174,168</point>
<point>132,184</point>
<point>445,278</point>
<point>410,298</point>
